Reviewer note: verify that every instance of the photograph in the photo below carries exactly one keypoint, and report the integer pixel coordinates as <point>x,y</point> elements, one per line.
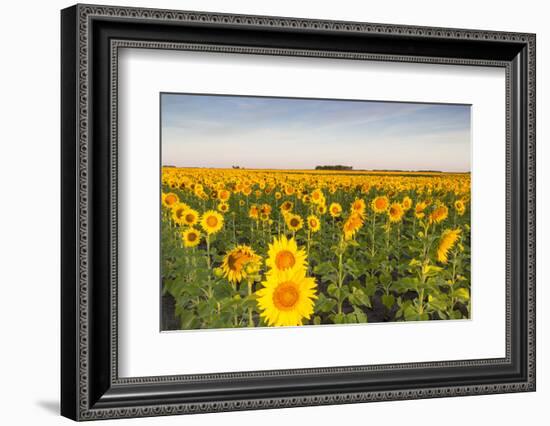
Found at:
<point>291,211</point>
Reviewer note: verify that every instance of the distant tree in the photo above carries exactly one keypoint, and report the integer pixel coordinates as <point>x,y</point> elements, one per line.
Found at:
<point>336,167</point>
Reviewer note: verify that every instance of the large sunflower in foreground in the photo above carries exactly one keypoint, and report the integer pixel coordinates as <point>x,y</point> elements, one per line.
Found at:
<point>284,254</point>
<point>191,237</point>
<point>211,221</point>
<point>237,260</point>
<point>446,242</point>
<point>287,298</point>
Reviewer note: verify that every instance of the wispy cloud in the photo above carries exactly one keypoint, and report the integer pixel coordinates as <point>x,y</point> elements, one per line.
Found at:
<point>221,131</point>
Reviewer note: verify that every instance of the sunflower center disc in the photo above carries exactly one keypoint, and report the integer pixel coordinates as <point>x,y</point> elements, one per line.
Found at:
<point>285,259</point>
<point>285,295</point>
<point>236,261</point>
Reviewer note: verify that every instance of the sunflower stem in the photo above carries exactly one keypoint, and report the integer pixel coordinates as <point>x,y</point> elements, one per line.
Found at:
<point>208,250</point>
<point>308,245</point>
<point>388,228</point>
<point>421,300</point>
<point>250,319</point>
<point>453,281</point>
<point>372,250</point>
<point>234,230</point>
<point>340,273</point>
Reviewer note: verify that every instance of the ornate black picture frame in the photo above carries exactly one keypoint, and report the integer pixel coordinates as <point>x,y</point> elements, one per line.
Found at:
<point>91,37</point>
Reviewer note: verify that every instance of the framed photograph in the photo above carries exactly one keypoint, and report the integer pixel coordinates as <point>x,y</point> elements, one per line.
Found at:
<point>263,212</point>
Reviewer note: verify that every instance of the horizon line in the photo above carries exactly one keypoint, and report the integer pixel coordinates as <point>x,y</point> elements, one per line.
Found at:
<point>327,170</point>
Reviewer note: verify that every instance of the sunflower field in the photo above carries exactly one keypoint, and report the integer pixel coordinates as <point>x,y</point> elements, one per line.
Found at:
<point>251,248</point>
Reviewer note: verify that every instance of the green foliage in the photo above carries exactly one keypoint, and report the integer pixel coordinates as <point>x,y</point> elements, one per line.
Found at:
<point>386,272</point>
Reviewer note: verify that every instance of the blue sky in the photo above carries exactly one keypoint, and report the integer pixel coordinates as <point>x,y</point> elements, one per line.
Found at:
<point>287,133</point>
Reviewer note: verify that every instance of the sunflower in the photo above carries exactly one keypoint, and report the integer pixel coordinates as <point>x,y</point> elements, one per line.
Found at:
<point>439,214</point>
<point>265,209</point>
<point>284,254</point>
<point>380,204</point>
<point>335,210</point>
<point>278,195</point>
<point>294,222</point>
<point>419,209</point>
<point>353,224</point>
<point>287,206</point>
<point>191,237</point>
<point>198,191</point>
<point>313,223</point>
<point>407,203</point>
<point>395,212</point>
<point>170,199</point>
<point>460,207</point>
<point>322,209</point>
<point>223,207</point>
<point>287,298</point>
<point>448,239</point>
<point>177,213</point>
<point>223,195</point>
<point>359,206</point>
<point>190,217</point>
<point>211,221</point>
<point>317,196</point>
<point>237,261</point>
<point>254,212</point>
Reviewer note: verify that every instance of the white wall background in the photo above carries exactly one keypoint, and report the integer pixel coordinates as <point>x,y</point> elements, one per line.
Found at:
<point>29,213</point>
